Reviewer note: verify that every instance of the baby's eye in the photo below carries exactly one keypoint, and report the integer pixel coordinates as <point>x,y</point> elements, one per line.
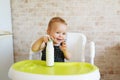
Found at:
<point>64,33</point>
<point>58,32</point>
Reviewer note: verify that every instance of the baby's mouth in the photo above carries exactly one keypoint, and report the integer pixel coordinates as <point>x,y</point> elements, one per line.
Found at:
<point>59,40</point>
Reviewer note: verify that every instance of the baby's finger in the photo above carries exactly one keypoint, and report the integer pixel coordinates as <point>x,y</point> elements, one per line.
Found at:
<point>51,38</point>
<point>48,37</point>
<point>63,44</point>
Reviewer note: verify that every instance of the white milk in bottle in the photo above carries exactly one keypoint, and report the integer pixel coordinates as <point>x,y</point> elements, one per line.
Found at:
<point>50,53</point>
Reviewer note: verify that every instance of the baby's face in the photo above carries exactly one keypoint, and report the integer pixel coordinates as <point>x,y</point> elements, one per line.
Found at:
<point>58,32</point>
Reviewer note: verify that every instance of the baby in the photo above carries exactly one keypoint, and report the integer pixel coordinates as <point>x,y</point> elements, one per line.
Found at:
<point>57,28</point>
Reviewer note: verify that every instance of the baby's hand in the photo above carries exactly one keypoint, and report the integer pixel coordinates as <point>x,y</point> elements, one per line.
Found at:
<point>46,38</point>
<point>63,46</point>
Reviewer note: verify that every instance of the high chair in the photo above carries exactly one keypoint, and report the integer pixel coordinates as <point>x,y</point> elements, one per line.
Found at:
<point>75,69</point>
<point>76,44</point>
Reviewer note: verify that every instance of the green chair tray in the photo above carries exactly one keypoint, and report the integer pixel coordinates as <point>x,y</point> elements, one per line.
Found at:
<point>59,68</point>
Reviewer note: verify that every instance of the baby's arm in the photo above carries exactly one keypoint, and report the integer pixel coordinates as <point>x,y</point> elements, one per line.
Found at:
<point>65,51</point>
<point>39,44</point>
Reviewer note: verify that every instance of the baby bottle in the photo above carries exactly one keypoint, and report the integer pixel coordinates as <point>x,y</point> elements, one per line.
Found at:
<point>50,53</point>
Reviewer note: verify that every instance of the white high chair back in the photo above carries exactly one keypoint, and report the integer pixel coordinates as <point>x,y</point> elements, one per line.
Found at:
<point>76,43</point>
<point>76,46</point>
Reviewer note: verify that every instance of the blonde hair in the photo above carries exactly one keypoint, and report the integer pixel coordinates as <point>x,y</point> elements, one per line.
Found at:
<point>56,19</point>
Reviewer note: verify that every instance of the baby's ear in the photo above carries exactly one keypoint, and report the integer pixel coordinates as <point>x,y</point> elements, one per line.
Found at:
<point>48,31</point>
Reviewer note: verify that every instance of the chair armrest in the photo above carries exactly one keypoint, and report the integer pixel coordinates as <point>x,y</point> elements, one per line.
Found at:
<point>92,52</point>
